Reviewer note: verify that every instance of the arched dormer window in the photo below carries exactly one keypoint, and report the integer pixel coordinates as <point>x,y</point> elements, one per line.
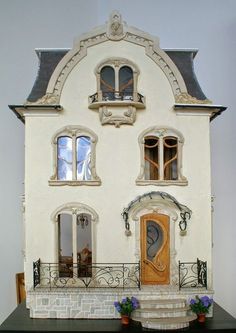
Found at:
<point>161,157</point>
<point>117,80</point>
<point>117,98</point>
<point>74,157</point>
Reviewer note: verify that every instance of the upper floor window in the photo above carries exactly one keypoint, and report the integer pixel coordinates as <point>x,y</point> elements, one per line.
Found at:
<point>117,80</point>
<point>74,157</point>
<point>117,83</point>
<point>161,157</point>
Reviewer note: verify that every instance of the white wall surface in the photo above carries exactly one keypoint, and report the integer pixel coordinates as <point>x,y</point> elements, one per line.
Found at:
<point>208,25</point>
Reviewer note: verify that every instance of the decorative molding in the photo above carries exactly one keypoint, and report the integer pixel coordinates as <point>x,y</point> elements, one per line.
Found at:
<point>129,34</point>
<point>48,99</point>
<point>117,62</point>
<point>74,208</point>
<point>116,116</point>
<point>115,27</point>
<point>185,98</point>
<point>56,182</point>
<point>161,132</point>
<point>74,131</point>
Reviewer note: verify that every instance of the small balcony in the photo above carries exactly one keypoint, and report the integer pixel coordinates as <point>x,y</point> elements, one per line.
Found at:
<point>116,98</point>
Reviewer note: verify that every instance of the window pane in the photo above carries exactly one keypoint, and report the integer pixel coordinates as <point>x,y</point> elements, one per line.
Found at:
<point>170,158</point>
<point>151,146</point>
<point>108,83</point>
<point>154,239</point>
<point>65,245</point>
<point>84,245</point>
<point>64,158</point>
<point>126,85</point>
<point>83,148</point>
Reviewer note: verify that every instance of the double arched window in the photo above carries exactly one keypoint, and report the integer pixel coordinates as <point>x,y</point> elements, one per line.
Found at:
<point>74,157</point>
<point>161,157</point>
<point>75,242</point>
<point>117,80</point>
<point>117,84</point>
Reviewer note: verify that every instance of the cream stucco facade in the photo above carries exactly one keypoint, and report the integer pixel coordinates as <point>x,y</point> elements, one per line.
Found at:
<point>118,155</point>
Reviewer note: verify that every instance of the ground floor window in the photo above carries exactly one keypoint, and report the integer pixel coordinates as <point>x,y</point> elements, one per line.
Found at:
<point>74,245</point>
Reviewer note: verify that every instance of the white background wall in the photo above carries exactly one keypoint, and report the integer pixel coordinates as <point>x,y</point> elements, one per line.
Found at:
<point>208,25</point>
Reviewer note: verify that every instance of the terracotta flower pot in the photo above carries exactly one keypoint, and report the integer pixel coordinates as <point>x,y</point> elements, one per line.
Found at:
<point>201,317</point>
<point>125,320</point>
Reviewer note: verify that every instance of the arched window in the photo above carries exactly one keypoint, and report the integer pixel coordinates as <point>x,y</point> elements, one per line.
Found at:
<point>117,80</point>
<point>126,83</point>
<point>74,157</point>
<point>107,83</point>
<point>75,230</point>
<point>161,157</point>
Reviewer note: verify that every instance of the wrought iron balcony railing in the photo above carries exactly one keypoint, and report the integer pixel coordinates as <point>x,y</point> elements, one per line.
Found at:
<point>61,275</point>
<point>107,96</point>
<point>193,274</point>
<point>112,275</point>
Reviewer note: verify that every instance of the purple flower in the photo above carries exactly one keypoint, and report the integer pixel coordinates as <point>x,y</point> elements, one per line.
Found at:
<point>124,300</point>
<point>192,301</point>
<point>134,302</point>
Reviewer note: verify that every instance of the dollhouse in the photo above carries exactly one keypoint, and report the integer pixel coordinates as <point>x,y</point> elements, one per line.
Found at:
<point>117,179</point>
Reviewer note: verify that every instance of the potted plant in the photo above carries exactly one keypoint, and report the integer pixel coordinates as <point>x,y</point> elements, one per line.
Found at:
<point>200,306</point>
<point>126,307</point>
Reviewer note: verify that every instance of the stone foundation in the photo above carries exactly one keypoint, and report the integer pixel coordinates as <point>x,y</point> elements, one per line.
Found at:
<point>95,303</point>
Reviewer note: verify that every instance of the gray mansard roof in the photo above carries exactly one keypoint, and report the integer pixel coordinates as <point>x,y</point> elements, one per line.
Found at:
<point>49,58</point>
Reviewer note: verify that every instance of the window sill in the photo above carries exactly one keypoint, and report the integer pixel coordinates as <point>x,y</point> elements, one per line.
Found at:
<point>181,182</point>
<point>96,182</point>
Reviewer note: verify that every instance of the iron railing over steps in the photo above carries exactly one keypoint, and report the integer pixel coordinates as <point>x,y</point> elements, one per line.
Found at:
<point>193,274</point>
<point>69,275</point>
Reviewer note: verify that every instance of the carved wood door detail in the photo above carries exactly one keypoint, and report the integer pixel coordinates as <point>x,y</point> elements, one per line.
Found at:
<point>155,249</point>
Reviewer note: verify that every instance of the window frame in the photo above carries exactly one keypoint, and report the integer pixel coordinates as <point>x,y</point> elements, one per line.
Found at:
<point>117,64</point>
<point>74,132</point>
<point>160,133</point>
<point>75,209</point>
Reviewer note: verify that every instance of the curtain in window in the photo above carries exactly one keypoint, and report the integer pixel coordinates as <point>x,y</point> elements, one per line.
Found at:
<point>64,158</point>
<point>83,148</point>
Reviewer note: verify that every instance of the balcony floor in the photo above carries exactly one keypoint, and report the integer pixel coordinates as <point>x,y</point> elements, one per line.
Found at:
<point>19,321</point>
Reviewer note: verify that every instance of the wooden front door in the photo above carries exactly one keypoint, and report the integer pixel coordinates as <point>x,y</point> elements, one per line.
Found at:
<point>155,249</point>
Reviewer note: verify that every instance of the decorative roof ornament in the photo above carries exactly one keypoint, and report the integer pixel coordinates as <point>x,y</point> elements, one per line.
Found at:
<point>185,98</point>
<point>115,27</point>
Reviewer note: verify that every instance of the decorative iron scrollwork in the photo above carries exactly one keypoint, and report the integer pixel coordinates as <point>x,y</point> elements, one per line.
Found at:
<point>49,275</point>
<point>193,274</point>
<point>36,272</point>
<point>185,212</point>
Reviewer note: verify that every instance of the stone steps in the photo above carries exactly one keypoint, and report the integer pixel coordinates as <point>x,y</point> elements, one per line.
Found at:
<point>162,303</point>
<point>163,314</point>
<point>160,312</point>
<point>167,323</point>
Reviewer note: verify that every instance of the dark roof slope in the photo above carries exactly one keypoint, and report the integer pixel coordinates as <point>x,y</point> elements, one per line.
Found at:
<point>48,60</point>
<point>183,59</point>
